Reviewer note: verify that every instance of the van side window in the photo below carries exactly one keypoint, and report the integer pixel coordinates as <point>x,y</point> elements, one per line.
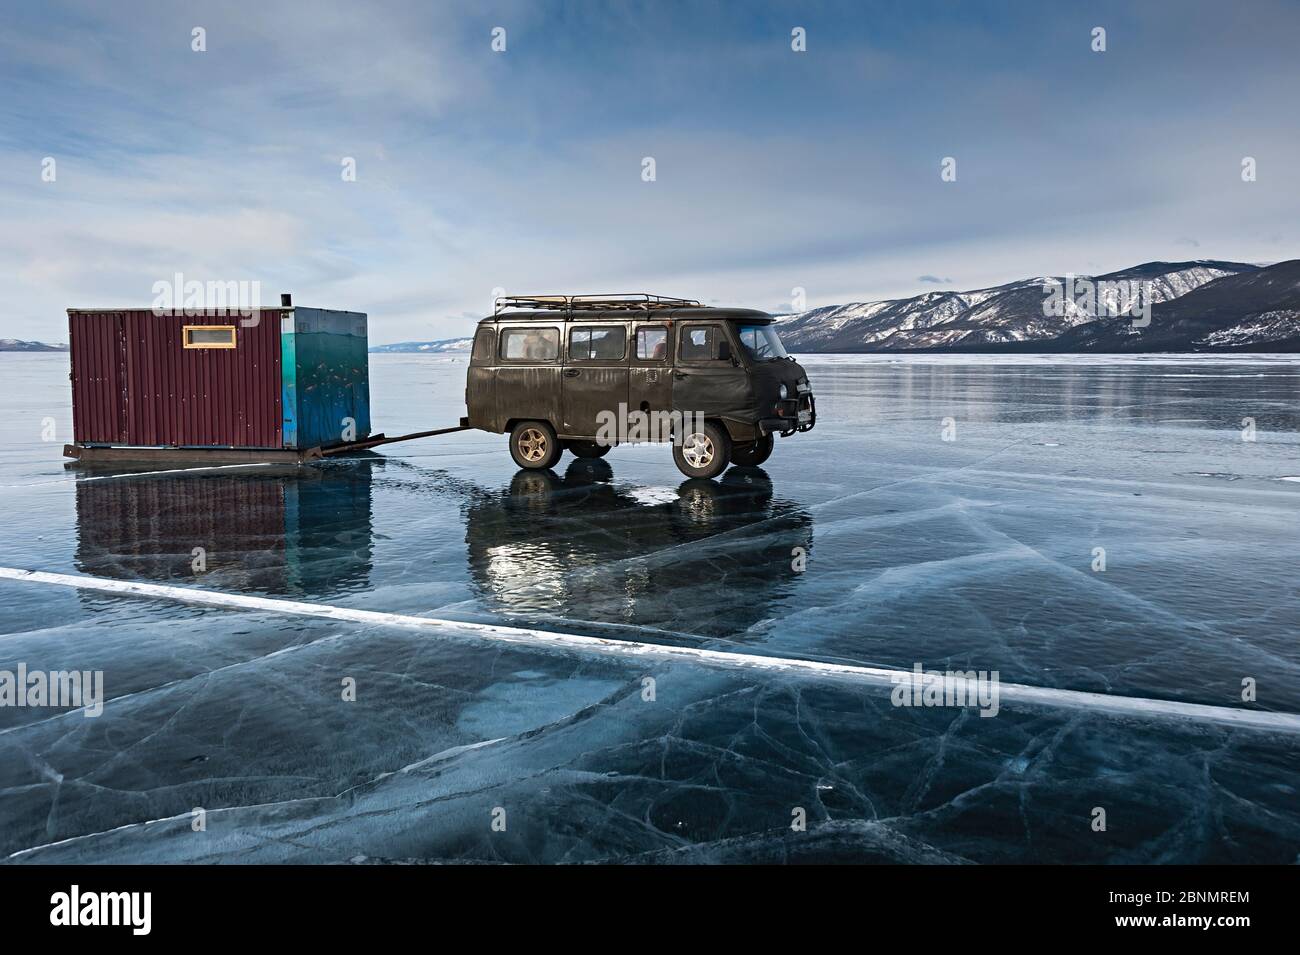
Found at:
<point>530,344</point>
<point>482,352</point>
<point>598,344</point>
<point>652,343</point>
<point>696,344</point>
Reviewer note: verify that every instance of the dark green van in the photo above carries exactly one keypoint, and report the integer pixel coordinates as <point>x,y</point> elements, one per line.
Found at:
<point>588,372</point>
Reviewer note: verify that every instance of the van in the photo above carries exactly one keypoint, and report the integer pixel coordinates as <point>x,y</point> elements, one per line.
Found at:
<point>584,373</point>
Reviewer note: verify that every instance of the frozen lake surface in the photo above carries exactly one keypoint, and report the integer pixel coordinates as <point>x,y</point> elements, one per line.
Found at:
<point>979,553</point>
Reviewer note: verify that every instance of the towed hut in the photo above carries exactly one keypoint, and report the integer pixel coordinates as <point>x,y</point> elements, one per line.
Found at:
<point>274,384</point>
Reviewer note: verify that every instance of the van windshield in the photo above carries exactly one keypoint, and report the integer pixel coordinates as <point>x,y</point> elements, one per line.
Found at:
<point>762,342</point>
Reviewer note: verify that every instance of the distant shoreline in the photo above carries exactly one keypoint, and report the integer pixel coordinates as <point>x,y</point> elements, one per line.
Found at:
<point>1008,355</point>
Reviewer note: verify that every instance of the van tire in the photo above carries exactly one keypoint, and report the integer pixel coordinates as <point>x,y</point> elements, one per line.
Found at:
<point>753,453</point>
<point>703,453</point>
<point>534,446</point>
<point>588,449</point>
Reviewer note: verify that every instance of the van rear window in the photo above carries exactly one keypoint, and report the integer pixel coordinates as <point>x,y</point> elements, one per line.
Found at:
<point>530,344</point>
<point>482,345</point>
<point>598,344</point>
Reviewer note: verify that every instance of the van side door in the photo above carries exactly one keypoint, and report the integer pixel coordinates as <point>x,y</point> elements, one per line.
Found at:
<point>650,386</point>
<point>708,378</point>
<point>594,382</point>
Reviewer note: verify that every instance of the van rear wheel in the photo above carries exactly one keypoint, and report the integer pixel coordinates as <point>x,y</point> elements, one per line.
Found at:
<point>533,445</point>
<point>588,449</point>
<point>754,453</point>
<point>703,452</point>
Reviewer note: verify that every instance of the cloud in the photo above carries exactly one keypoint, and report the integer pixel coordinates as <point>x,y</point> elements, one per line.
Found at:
<point>522,169</point>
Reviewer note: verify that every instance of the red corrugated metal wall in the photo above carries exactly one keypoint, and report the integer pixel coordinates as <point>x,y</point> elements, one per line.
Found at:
<point>98,388</point>
<point>134,382</point>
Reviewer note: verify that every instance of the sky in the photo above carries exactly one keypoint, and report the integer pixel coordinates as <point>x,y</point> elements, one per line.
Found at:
<point>523,169</point>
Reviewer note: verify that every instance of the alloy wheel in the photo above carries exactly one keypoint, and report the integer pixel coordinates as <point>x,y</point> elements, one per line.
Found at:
<point>697,449</point>
<point>532,444</point>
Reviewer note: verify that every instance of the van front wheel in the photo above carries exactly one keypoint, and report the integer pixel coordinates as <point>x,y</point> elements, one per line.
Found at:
<point>753,453</point>
<point>703,453</point>
<point>533,445</point>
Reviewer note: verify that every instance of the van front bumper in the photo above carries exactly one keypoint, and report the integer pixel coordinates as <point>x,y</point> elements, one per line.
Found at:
<point>797,415</point>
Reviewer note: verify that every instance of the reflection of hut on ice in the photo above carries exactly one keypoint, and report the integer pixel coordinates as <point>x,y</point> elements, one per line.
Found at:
<point>289,531</point>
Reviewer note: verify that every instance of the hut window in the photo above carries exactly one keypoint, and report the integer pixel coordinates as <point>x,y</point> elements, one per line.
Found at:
<point>209,336</point>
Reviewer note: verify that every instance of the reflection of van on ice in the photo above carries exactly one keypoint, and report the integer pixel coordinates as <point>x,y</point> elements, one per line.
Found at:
<point>586,372</point>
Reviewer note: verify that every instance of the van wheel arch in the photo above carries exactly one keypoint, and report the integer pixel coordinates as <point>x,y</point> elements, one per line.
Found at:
<point>752,453</point>
<point>733,431</point>
<point>515,422</point>
<point>740,432</point>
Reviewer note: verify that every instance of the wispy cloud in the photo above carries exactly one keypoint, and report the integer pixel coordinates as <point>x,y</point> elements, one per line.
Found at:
<point>775,170</point>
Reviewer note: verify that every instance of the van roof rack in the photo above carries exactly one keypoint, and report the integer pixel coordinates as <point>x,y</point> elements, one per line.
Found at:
<point>617,300</point>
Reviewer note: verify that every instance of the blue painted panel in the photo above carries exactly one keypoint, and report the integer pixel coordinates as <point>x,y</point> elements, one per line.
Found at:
<point>288,382</point>
<point>326,377</point>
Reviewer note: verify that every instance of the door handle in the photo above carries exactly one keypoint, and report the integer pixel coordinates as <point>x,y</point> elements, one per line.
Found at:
<point>571,372</point>
<point>679,374</point>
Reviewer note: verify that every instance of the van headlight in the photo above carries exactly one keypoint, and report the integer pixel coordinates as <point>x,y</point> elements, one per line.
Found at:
<point>784,392</point>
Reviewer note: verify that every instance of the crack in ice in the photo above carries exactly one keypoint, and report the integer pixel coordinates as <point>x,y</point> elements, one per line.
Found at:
<point>877,677</point>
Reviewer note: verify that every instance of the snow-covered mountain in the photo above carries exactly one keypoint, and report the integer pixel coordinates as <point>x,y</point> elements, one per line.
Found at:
<point>1195,306</point>
<point>442,346</point>
<point>17,344</point>
<point>1250,311</point>
<point>1002,315</point>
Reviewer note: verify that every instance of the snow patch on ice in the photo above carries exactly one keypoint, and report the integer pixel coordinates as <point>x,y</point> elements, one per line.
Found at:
<point>652,495</point>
